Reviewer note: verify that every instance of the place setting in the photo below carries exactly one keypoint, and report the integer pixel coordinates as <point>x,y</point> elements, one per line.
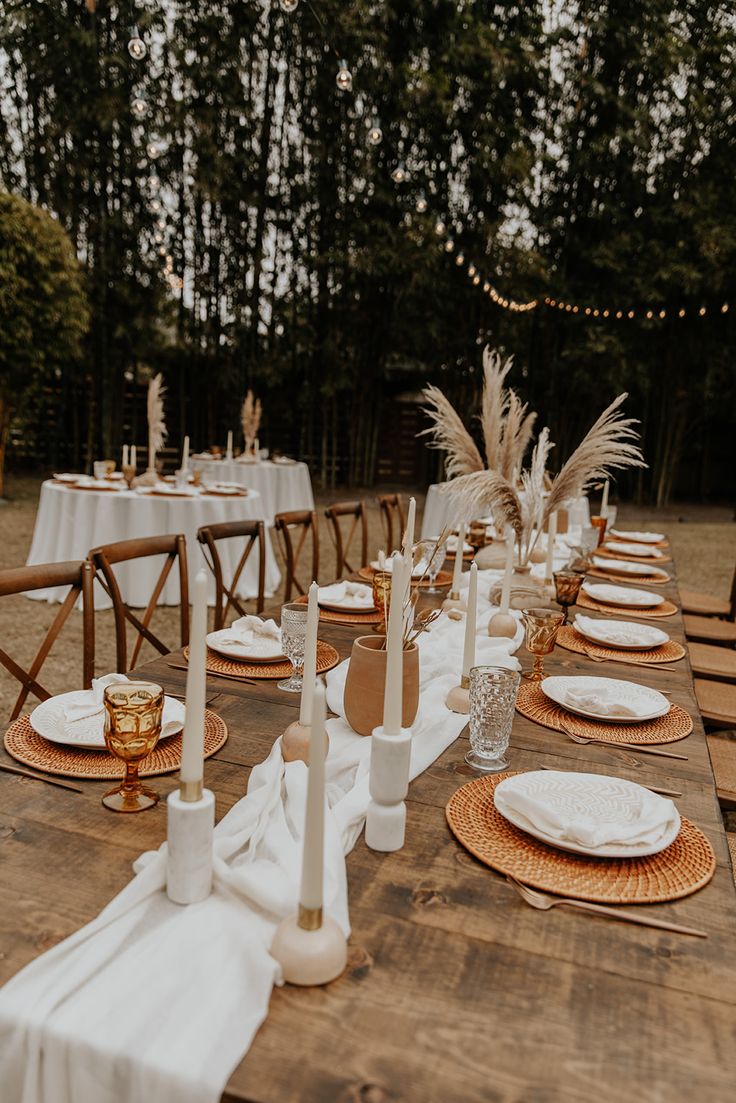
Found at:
<point>604,598</point>
<point>617,568</point>
<point>619,641</point>
<point>353,603</point>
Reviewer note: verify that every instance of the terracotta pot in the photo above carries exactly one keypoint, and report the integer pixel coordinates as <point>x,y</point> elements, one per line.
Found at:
<point>365,682</point>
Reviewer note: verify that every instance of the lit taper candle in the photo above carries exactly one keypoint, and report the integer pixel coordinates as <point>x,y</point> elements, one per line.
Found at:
<point>310,899</point>
<point>551,533</point>
<point>469,649</point>
<point>458,568</point>
<point>192,752</point>
<point>310,658</point>
<point>392,701</point>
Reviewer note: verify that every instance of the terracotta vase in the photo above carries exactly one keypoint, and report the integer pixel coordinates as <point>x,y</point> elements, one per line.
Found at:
<point>492,556</point>
<point>365,682</point>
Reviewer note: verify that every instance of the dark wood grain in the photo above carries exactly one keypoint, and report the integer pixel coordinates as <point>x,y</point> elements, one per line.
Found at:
<point>455,989</point>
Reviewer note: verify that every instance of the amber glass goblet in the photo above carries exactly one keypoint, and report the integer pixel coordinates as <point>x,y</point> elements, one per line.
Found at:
<point>567,588</point>
<point>542,626</point>
<point>382,598</point>
<point>600,524</point>
<point>133,712</point>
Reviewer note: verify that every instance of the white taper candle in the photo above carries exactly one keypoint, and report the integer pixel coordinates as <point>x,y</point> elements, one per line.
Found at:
<point>551,533</point>
<point>392,701</point>
<point>458,568</point>
<point>125,455</point>
<point>310,658</point>
<point>604,499</point>
<point>469,650</point>
<point>133,458</point>
<point>313,860</point>
<point>229,449</point>
<point>408,543</point>
<point>192,751</point>
<point>185,454</point>
<point>508,570</point>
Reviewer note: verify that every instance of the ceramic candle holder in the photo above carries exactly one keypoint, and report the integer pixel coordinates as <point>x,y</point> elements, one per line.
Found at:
<point>190,825</point>
<point>458,699</point>
<point>385,824</point>
<point>310,948</point>
<point>454,601</point>
<point>295,742</point>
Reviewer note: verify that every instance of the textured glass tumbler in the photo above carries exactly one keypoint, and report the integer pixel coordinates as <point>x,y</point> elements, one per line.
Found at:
<point>493,692</point>
<point>133,713</point>
<point>293,639</point>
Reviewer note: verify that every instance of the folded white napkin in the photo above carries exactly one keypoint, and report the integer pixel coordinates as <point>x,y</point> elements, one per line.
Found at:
<point>417,571</point>
<point>602,704</point>
<point>620,632</point>
<point>589,810</point>
<point>622,548</point>
<point>262,636</point>
<point>452,544</point>
<point>351,593</point>
<point>88,703</point>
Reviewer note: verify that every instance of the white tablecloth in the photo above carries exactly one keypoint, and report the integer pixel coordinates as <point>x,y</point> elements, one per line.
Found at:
<point>440,509</point>
<point>69,523</point>
<point>282,486</point>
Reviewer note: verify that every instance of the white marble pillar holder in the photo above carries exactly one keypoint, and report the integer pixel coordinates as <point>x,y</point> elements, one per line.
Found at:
<point>190,825</point>
<point>385,825</point>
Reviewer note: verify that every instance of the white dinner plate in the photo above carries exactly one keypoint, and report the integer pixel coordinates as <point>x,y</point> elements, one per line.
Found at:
<point>620,547</point>
<point>67,477</point>
<point>243,652</point>
<point>418,571</point>
<point>624,566</point>
<point>642,637</point>
<point>649,702</point>
<point>97,484</point>
<point>638,537</point>
<point>348,604</point>
<point>605,799</point>
<point>48,720</point>
<point>621,595</point>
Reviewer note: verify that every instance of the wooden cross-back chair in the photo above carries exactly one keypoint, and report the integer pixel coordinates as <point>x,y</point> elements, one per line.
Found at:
<point>392,512</point>
<point>107,556</point>
<point>343,540</point>
<point>78,577</point>
<point>226,595</point>
<point>287,525</point>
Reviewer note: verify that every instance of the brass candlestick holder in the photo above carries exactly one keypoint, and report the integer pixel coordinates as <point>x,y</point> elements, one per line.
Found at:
<point>542,626</point>
<point>567,588</point>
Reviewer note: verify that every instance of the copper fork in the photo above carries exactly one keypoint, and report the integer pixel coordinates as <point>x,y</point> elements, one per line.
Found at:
<point>629,746</point>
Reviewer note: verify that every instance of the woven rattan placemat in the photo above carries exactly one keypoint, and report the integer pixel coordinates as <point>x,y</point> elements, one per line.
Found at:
<point>669,652</point>
<point>443,579</point>
<point>30,748</point>
<point>532,703</point>
<point>648,560</point>
<point>327,657</point>
<point>685,866</point>
<point>331,616</point>
<point>665,609</point>
<point>613,575</point>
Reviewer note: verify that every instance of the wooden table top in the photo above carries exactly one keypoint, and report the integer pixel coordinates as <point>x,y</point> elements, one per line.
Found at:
<point>455,989</point>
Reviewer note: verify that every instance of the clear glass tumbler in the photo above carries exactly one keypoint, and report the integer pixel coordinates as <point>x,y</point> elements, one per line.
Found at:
<point>493,692</point>
<point>293,637</point>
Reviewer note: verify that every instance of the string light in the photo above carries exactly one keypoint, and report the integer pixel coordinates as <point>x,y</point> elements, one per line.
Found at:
<point>139,107</point>
<point>375,134</point>
<point>136,46</point>
<point>439,227</point>
<point>344,78</point>
<point>421,203</point>
<point>460,260</point>
<point>449,245</point>
<point>153,150</point>
<point>289,6</point>
<point>471,270</point>
<point>399,174</point>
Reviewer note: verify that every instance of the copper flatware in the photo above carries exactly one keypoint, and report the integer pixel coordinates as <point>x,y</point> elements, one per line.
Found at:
<point>625,662</point>
<point>40,777</point>
<point>628,746</point>
<point>216,674</point>
<point>543,901</point>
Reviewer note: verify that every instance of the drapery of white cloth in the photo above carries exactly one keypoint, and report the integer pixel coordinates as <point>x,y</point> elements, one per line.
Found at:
<point>282,486</point>
<point>69,523</point>
<point>154,1001</point>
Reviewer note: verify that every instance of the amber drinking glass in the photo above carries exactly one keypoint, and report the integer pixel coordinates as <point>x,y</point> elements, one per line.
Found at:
<point>567,588</point>
<point>542,626</point>
<point>133,712</point>
<point>600,524</point>
<point>382,598</point>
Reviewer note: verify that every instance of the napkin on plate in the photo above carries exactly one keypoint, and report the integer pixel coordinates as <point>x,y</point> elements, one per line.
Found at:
<point>262,637</point>
<point>628,635</point>
<point>612,812</point>
<point>350,593</point>
<point>88,703</point>
<point>603,704</point>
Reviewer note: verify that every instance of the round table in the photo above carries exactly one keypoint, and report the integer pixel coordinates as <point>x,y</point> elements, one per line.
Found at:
<point>440,509</point>
<point>70,522</point>
<point>282,486</point>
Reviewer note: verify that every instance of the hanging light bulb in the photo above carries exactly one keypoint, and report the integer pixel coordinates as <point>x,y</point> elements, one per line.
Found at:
<point>153,150</point>
<point>344,78</point>
<point>421,203</point>
<point>136,46</point>
<point>139,107</point>
<point>289,6</point>
<point>439,227</point>
<point>471,269</point>
<point>449,245</point>
<point>486,287</point>
<point>154,183</point>
<point>476,280</point>
<point>375,134</point>
<point>400,175</point>
<point>460,260</point>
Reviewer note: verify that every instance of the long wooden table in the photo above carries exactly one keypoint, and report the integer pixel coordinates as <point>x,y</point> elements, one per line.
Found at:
<point>455,990</point>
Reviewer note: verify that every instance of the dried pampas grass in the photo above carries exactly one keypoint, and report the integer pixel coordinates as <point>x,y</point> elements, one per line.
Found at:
<point>495,405</point>
<point>487,492</point>
<point>250,417</point>
<point>450,435</point>
<point>156,425</point>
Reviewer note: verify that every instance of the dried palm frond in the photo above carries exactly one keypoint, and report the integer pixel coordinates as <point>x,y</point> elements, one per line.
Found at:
<point>605,447</point>
<point>250,417</point>
<point>450,435</point>
<point>486,491</point>
<point>156,425</point>
<point>516,434</point>
<point>495,405</point>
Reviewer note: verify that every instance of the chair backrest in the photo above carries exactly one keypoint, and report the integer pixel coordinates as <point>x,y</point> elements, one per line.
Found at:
<point>226,594</point>
<point>343,535</point>
<point>391,511</point>
<point>287,525</point>
<point>78,577</point>
<point>109,555</point>
<point>732,597</point>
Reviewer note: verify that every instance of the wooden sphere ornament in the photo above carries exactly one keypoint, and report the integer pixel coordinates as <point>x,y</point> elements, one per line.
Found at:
<point>458,699</point>
<point>295,742</point>
<point>502,625</point>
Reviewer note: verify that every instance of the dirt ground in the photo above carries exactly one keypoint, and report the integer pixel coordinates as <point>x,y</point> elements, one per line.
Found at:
<point>703,540</point>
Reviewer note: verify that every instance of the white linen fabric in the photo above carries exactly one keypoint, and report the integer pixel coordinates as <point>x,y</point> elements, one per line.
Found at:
<point>589,809</point>
<point>154,1001</point>
<point>282,487</point>
<point>626,633</point>
<point>70,522</point>
<point>348,593</point>
<point>87,703</point>
<point>261,637</point>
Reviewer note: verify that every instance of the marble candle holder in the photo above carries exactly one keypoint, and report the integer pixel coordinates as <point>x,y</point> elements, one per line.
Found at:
<point>385,824</point>
<point>190,825</point>
<point>310,948</point>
